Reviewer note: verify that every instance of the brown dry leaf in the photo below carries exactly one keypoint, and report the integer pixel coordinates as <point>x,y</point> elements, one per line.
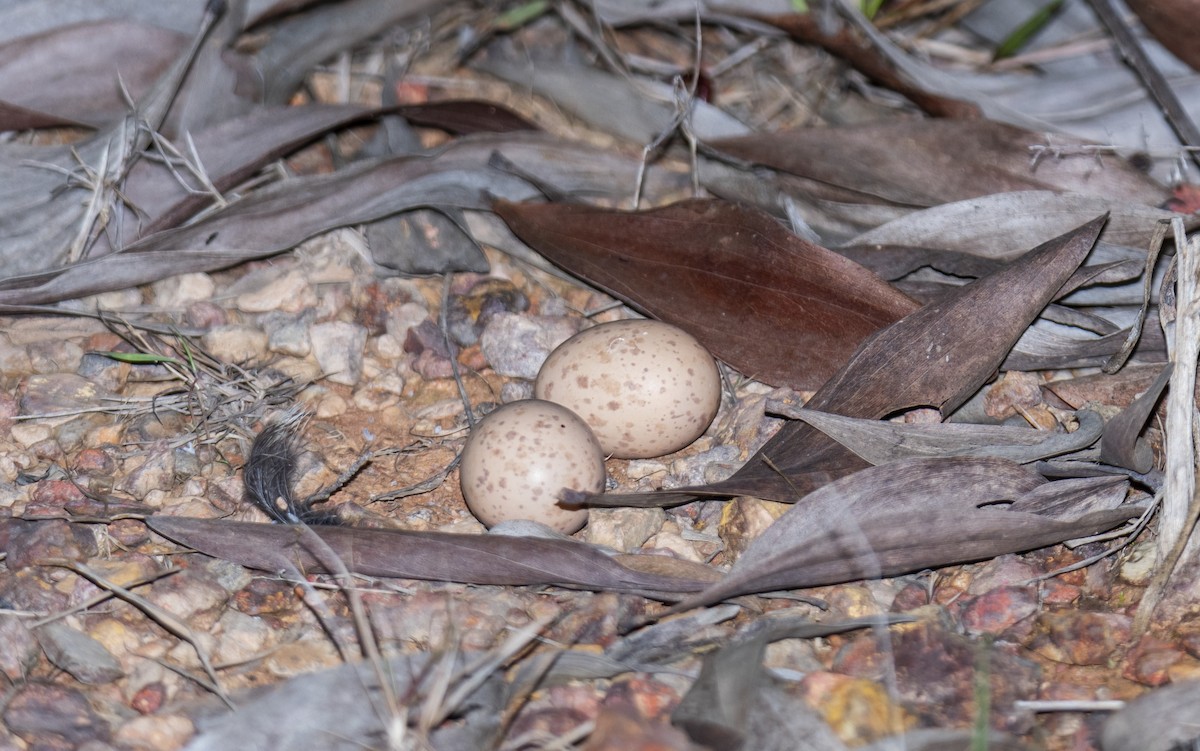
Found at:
<point>937,356</point>
<point>931,162</point>
<point>1172,22</point>
<point>436,556</point>
<point>777,308</point>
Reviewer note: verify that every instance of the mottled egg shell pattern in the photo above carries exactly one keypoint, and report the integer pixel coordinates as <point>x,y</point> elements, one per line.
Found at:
<point>644,387</point>
<point>518,459</point>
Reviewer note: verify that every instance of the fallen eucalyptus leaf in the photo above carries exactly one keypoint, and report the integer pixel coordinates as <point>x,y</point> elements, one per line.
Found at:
<point>880,442</point>
<point>437,556</point>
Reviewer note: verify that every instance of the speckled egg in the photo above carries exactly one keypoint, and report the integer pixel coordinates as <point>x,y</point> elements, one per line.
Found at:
<point>519,458</point>
<point>644,387</point>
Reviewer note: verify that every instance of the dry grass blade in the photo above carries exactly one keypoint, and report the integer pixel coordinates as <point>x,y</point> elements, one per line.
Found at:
<point>221,398</point>
<point>160,616</point>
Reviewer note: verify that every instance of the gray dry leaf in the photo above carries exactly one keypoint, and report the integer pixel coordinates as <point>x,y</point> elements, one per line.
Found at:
<point>880,442</point>
<point>1003,225</point>
<point>917,514</point>
<point>1160,720</point>
<point>638,110</point>
<point>1120,444</point>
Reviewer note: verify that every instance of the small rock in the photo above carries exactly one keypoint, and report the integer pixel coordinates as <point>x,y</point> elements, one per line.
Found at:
<point>157,733</point>
<point>235,343</point>
<point>58,392</point>
<point>407,316</point>
<point>177,292</point>
<point>287,334</point>
<point>1005,571</point>
<point>14,358</point>
<point>1150,661</point>
<point>468,315</point>
<point>21,650</point>
<point>1081,638</point>
<point>30,433</point>
<point>999,609</point>
<point>380,393</point>
<point>517,345</point>
<point>515,391</point>
<point>1139,563</point>
<point>206,315</point>
<point>44,713</point>
<point>624,529</point>
<point>94,461</point>
<point>266,597</point>
<point>643,469</point>
<point>54,356</point>
<point>242,637</point>
<point>154,471</point>
<point>49,540</point>
<point>78,654</point>
<point>288,292</point>
<point>338,348</point>
<point>193,595</point>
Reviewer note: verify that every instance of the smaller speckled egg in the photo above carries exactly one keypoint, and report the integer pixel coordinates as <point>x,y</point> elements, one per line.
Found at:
<point>519,458</point>
<point>644,387</point>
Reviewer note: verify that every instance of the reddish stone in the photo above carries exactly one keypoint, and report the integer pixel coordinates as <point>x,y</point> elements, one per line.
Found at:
<point>914,595</point>
<point>47,713</point>
<point>94,462</point>
<point>128,533</point>
<point>1056,592</point>
<point>1148,661</point>
<point>50,541</point>
<point>999,609</point>
<point>266,596</point>
<point>619,729</point>
<point>1081,638</point>
<point>642,694</point>
<point>56,493</point>
<point>149,698</point>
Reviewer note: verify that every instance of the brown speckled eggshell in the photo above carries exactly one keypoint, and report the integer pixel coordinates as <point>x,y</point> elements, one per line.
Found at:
<point>521,456</point>
<point>644,387</point>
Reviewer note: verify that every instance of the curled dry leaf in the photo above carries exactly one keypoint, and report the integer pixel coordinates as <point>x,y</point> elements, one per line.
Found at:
<point>937,356</point>
<point>916,514</point>
<point>880,442</point>
<point>777,308</point>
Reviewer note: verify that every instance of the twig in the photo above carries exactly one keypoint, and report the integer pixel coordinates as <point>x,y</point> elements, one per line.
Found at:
<point>160,616</point>
<point>1070,705</point>
<point>1154,81</point>
<point>1180,506</point>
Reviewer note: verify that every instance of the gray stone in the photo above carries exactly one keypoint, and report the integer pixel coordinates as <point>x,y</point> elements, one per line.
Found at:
<point>517,345</point>
<point>77,653</point>
<point>338,347</point>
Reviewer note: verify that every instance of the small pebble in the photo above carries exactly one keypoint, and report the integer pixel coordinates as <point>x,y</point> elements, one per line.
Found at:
<point>338,348</point>
<point>235,343</point>
<point>517,345</point>
<point>177,292</point>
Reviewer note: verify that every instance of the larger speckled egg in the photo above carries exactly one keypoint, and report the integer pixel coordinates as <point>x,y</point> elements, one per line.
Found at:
<point>644,387</point>
<point>519,459</point>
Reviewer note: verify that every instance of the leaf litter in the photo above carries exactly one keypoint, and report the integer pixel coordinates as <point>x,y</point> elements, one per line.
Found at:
<point>183,190</point>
